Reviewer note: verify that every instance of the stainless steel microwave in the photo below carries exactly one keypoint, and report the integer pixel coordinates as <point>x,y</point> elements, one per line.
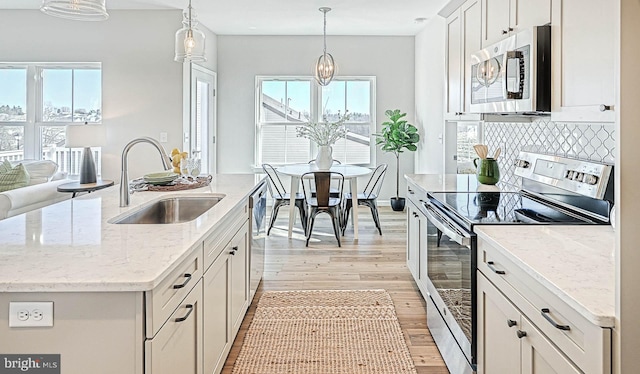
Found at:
<point>513,75</point>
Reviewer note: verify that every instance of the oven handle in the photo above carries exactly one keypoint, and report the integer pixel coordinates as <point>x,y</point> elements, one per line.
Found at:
<point>448,228</point>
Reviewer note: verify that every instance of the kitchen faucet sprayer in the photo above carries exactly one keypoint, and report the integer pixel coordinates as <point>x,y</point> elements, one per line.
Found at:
<point>125,192</point>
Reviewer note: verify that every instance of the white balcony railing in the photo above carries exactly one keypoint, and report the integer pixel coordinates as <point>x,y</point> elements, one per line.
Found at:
<point>68,159</point>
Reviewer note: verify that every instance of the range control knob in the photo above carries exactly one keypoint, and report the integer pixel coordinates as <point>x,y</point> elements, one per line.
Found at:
<point>590,179</point>
<point>522,164</point>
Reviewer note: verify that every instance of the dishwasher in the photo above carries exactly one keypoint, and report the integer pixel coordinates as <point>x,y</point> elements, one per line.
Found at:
<point>257,226</point>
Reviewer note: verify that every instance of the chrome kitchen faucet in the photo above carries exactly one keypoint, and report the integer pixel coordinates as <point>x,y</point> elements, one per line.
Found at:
<point>125,192</point>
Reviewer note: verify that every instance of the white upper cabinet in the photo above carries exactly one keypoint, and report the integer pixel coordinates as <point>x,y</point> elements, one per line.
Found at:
<point>583,33</point>
<point>502,18</point>
<point>463,39</point>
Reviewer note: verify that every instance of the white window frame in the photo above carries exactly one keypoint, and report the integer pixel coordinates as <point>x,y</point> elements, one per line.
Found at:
<point>32,147</point>
<point>316,107</point>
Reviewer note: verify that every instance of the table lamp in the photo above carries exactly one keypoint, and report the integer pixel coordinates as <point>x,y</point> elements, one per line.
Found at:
<point>85,136</point>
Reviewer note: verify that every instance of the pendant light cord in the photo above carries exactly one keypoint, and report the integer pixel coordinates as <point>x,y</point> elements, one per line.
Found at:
<point>324,33</point>
<point>189,14</point>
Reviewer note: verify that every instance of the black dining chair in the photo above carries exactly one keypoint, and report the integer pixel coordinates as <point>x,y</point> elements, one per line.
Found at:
<point>282,197</point>
<point>367,198</point>
<point>322,201</point>
<point>334,190</point>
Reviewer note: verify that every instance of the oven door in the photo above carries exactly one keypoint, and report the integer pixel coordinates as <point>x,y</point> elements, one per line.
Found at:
<point>451,284</point>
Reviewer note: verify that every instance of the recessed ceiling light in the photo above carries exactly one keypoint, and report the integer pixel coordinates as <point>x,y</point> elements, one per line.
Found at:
<point>252,28</point>
<point>420,20</point>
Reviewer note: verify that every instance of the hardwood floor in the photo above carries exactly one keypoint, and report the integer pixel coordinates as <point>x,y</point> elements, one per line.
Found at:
<point>373,262</point>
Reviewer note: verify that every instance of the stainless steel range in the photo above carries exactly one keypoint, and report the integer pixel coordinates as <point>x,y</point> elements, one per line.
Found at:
<point>555,190</point>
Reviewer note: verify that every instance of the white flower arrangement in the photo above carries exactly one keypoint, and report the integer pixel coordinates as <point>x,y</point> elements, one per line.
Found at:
<point>324,133</point>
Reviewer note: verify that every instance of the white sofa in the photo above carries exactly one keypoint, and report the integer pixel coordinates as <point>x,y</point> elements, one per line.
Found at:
<point>41,191</point>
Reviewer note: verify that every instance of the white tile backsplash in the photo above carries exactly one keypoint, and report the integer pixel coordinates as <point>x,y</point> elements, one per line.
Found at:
<point>588,141</point>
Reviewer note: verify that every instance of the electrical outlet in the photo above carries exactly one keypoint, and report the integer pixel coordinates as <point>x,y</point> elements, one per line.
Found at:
<point>31,314</point>
<point>163,137</point>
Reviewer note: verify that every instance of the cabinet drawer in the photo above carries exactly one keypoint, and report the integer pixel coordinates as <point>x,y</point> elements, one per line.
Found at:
<point>586,344</point>
<point>177,348</point>
<point>165,298</point>
<point>222,233</point>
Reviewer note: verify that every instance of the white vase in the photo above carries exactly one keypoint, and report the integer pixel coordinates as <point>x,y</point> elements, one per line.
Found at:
<point>324,159</point>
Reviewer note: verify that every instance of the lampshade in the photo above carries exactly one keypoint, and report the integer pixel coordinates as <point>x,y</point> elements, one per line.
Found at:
<point>189,41</point>
<point>80,136</point>
<point>85,136</point>
<point>79,10</point>
<point>325,67</point>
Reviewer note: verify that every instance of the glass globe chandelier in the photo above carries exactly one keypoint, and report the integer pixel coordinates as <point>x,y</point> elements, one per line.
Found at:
<point>325,67</point>
<point>189,43</point>
<point>79,10</point>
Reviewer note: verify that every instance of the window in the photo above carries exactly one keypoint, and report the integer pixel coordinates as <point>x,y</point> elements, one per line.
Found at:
<point>38,100</point>
<point>467,136</point>
<point>283,103</point>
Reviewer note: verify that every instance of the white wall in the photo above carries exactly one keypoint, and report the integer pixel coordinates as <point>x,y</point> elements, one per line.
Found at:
<point>430,93</point>
<point>241,58</point>
<point>141,84</point>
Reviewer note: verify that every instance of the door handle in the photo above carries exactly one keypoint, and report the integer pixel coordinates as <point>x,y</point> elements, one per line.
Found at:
<point>181,319</point>
<point>545,313</point>
<point>493,269</point>
<point>187,279</point>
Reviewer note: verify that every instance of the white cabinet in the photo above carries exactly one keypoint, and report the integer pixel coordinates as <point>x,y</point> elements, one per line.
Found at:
<point>226,297</point>
<point>503,18</point>
<point>509,343</point>
<point>177,347</point>
<point>413,239</point>
<point>238,248</point>
<point>516,309</point>
<point>463,39</point>
<point>583,34</point>
<point>217,330</point>
<point>416,238</point>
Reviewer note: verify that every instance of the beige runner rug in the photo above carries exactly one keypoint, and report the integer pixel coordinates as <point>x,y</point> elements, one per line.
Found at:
<point>323,332</point>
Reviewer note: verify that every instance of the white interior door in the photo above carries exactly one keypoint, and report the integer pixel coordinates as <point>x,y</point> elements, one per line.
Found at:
<point>202,128</point>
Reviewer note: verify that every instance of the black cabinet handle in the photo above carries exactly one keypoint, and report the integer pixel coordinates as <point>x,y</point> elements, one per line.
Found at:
<point>410,191</point>
<point>415,214</point>
<point>233,250</point>
<point>521,334</point>
<point>511,323</point>
<point>504,32</point>
<point>605,107</point>
<point>188,278</point>
<point>181,319</point>
<point>545,313</point>
<point>493,269</point>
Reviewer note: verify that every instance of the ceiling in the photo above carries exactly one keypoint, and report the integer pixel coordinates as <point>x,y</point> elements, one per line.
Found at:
<point>290,17</point>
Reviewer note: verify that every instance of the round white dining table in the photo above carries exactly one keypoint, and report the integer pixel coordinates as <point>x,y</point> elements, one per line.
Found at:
<point>350,172</point>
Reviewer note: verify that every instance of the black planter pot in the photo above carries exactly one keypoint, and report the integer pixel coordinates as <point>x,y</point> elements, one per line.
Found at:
<point>397,204</point>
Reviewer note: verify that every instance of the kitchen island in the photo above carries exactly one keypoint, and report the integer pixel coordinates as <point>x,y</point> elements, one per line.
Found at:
<point>128,298</point>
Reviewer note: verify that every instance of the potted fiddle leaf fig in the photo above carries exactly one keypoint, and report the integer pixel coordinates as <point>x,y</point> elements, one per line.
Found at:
<point>397,135</point>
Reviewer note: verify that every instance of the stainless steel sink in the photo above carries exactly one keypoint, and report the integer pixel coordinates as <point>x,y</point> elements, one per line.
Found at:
<point>176,209</point>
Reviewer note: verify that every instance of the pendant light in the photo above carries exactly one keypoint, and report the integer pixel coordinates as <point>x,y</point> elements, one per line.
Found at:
<point>79,10</point>
<point>189,40</point>
<point>325,67</point>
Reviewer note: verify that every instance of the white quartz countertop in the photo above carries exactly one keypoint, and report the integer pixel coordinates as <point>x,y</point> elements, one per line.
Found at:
<point>71,247</point>
<point>444,182</point>
<point>576,263</point>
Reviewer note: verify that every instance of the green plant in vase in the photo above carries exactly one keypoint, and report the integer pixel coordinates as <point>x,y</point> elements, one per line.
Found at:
<point>396,136</point>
